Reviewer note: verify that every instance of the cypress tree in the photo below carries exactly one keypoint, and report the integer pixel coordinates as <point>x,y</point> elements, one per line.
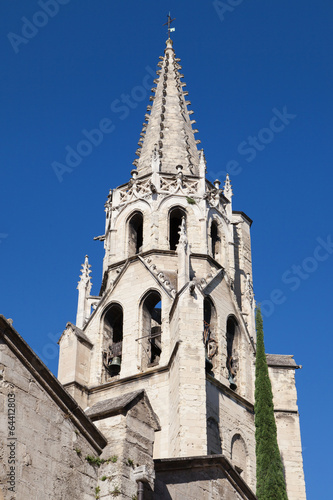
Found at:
<point>270,479</point>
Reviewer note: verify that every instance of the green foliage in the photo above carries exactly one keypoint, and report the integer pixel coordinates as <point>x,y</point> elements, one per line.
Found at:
<point>116,491</point>
<point>270,478</point>
<point>78,451</point>
<point>95,460</point>
<point>130,463</point>
<point>97,490</point>
<point>134,497</point>
<point>190,201</point>
<point>104,478</point>
<point>99,461</point>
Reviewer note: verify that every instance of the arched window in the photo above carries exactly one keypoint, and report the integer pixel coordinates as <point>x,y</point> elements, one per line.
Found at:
<point>152,329</point>
<point>214,446</point>
<point>210,332</point>
<point>238,455</point>
<point>175,220</point>
<point>232,350</point>
<point>135,234</point>
<point>215,239</point>
<point>113,331</point>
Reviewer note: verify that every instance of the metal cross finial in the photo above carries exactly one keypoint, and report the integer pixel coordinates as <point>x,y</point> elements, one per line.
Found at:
<point>169,21</point>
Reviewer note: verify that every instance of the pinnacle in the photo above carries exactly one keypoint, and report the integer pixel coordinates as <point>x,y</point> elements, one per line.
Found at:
<point>168,123</point>
<point>227,188</point>
<point>85,271</point>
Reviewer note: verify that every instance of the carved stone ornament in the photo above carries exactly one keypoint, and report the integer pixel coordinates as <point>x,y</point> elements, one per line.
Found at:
<point>249,289</point>
<point>211,348</point>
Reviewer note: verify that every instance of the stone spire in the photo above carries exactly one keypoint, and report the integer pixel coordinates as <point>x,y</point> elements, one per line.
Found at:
<point>227,189</point>
<point>84,287</point>
<point>168,127</point>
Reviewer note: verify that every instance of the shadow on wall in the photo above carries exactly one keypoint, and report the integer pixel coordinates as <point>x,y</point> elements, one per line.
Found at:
<point>214,440</point>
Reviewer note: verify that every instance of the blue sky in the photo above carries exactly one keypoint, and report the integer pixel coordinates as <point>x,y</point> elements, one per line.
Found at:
<point>244,65</point>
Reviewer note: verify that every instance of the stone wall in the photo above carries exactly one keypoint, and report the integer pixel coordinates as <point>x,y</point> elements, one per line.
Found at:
<point>235,418</point>
<point>200,478</point>
<point>129,424</point>
<point>44,435</point>
<point>48,446</point>
<point>282,374</point>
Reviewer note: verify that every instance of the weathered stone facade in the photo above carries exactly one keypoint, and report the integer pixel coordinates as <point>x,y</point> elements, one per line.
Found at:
<point>45,435</point>
<point>282,375</point>
<point>163,359</point>
<point>204,478</point>
<point>175,315</point>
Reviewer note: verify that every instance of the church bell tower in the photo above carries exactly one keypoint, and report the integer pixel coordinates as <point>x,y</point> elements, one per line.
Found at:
<point>175,312</point>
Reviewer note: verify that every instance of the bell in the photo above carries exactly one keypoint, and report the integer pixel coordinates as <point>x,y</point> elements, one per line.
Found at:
<point>232,383</point>
<point>114,365</point>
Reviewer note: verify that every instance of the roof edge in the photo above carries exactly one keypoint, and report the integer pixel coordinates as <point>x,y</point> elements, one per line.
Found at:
<point>121,405</point>
<point>51,384</point>
<point>243,214</point>
<point>181,463</point>
<point>282,361</point>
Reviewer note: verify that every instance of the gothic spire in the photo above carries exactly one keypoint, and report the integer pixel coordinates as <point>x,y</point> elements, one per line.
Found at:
<point>84,287</point>
<point>227,188</point>
<point>168,126</point>
<point>85,274</point>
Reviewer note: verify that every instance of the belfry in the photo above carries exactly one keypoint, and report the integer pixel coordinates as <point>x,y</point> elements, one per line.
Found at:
<point>171,335</point>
